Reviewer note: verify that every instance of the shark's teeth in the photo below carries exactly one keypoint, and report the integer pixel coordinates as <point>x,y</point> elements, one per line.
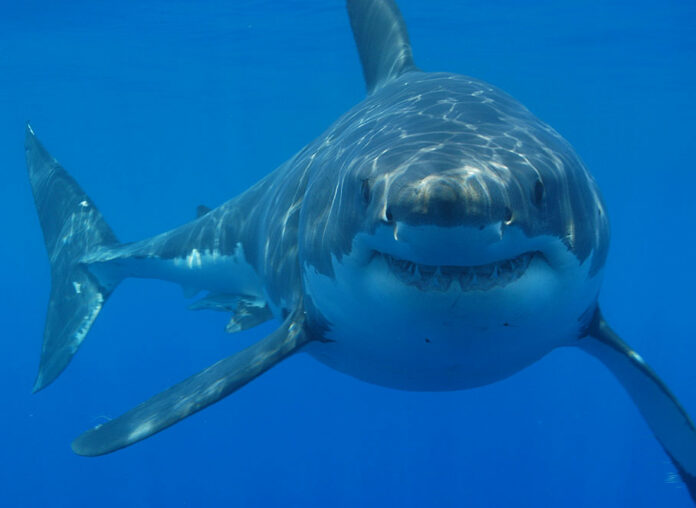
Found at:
<point>469,278</point>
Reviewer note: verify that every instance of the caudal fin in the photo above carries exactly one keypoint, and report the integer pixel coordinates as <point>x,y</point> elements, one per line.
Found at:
<point>72,227</point>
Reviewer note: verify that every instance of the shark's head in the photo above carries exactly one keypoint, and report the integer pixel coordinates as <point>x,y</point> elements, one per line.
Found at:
<point>462,224</point>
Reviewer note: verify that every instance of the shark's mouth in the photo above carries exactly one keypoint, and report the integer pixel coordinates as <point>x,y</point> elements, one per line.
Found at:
<point>469,278</point>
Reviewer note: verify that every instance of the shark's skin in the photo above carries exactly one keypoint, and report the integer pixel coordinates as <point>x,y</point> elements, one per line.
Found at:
<point>438,236</point>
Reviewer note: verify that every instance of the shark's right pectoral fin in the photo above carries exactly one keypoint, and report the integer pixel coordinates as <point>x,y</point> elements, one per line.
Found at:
<point>661,410</point>
<point>196,392</point>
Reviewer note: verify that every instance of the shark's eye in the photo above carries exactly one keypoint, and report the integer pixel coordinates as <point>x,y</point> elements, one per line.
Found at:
<point>538,192</point>
<point>365,190</point>
<point>508,215</point>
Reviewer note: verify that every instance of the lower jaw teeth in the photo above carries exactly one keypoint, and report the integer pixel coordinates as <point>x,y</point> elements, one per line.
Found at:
<point>441,278</point>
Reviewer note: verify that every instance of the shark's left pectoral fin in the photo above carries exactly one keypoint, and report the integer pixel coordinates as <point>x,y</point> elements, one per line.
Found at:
<point>196,392</point>
<point>662,411</point>
<point>247,311</point>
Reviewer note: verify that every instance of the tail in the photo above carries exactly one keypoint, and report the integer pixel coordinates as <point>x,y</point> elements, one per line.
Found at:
<point>72,227</point>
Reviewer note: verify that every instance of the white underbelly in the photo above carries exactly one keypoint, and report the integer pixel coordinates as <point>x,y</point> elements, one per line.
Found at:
<point>200,270</point>
<point>433,359</point>
<point>410,339</point>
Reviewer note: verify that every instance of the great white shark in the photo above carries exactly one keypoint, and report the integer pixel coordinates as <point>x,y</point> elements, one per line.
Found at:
<point>438,236</point>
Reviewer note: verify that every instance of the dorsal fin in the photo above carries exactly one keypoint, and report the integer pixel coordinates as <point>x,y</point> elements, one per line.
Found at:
<point>380,34</point>
<point>201,210</point>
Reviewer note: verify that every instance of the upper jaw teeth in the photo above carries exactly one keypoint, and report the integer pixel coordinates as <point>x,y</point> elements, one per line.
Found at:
<point>469,278</point>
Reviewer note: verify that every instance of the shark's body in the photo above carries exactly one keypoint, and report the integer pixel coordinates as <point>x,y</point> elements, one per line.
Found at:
<point>437,236</point>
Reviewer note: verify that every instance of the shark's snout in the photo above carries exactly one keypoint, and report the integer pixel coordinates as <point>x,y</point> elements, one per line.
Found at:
<point>447,201</point>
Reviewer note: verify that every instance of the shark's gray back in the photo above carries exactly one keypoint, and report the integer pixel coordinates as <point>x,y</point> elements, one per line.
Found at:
<point>438,123</point>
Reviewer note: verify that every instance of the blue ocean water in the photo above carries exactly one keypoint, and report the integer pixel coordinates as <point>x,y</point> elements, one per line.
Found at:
<point>156,107</point>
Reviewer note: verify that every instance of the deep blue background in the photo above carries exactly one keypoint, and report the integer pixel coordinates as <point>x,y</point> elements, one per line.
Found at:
<point>158,106</point>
